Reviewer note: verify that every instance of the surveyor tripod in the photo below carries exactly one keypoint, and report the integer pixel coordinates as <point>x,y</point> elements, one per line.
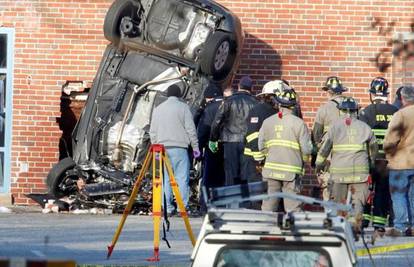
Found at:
<point>157,155</point>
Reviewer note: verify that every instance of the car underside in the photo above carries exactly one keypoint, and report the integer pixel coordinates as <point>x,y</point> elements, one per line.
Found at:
<point>154,44</point>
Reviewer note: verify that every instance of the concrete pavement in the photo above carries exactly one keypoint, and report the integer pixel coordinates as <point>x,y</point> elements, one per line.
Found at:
<point>84,238</point>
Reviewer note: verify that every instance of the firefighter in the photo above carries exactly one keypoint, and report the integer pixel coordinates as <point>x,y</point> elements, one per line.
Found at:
<point>285,140</point>
<point>377,116</point>
<point>266,107</point>
<point>325,116</point>
<point>352,146</point>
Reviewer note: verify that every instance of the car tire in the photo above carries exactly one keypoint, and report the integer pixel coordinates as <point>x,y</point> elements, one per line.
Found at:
<point>218,55</point>
<point>118,10</point>
<point>58,175</point>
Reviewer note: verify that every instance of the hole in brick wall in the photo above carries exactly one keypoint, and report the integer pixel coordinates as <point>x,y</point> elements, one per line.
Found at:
<point>72,101</point>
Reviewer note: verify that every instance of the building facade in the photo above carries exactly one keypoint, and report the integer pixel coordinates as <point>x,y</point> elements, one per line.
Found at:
<point>45,43</point>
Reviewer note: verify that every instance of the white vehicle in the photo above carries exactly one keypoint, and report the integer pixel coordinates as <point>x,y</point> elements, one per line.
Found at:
<point>250,238</point>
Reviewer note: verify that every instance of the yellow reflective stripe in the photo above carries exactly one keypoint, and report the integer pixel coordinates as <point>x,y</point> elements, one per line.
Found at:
<point>252,136</point>
<point>257,155</point>
<point>361,168</point>
<point>283,167</point>
<point>305,158</point>
<point>320,159</point>
<point>325,129</point>
<point>379,132</point>
<point>384,249</point>
<point>284,143</point>
<point>378,219</point>
<point>367,217</point>
<point>248,152</point>
<point>348,147</point>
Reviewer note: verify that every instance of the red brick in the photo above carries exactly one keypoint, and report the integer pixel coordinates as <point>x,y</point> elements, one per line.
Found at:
<point>303,43</point>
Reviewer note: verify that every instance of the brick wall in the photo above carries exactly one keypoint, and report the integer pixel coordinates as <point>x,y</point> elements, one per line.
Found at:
<point>302,41</point>
<point>56,40</point>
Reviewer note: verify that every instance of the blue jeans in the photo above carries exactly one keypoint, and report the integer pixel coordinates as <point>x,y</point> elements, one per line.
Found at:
<point>402,195</point>
<point>180,164</point>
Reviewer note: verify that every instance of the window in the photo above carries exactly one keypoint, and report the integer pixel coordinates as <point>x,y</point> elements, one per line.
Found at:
<point>6,81</point>
<point>275,256</point>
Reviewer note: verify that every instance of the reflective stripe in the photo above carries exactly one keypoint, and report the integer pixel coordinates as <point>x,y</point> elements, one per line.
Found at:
<point>305,158</point>
<point>252,136</point>
<point>257,155</point>
<point>325,129</point>
<point>381,151</point>
<point>361,168</point>
<point>320,159</point>
<point>350,179</point>
<point>379,132</point>
<point>284,143</point>
<point>348,147</point>
<point>380,220</point>
<point>367,217</point>
<point>248,152</point>
<point>284,167</point>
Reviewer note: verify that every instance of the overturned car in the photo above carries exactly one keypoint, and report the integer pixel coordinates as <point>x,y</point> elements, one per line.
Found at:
<point>154,43</point>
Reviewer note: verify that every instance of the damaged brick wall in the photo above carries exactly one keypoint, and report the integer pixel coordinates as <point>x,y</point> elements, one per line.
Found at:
<point>301,41</point>
<point>55,41</point>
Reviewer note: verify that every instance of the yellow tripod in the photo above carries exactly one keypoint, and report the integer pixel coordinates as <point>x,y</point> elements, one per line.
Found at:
<point>158,156</point>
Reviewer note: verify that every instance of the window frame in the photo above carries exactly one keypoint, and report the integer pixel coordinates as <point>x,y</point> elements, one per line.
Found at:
<point>10,33</point>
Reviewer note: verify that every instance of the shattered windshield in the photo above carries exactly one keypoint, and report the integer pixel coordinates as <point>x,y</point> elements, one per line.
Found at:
<point>265,257</point>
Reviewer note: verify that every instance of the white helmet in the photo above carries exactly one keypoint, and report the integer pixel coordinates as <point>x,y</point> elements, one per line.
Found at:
<point>273,87</point>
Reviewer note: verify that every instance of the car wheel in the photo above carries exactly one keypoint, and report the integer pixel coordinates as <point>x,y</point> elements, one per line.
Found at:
<point>59,181</point>
<point>218,56</point>
<point>118,10</point>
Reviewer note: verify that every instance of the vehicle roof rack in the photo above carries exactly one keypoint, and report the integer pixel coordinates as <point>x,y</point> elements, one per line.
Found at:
<point>232,196</point>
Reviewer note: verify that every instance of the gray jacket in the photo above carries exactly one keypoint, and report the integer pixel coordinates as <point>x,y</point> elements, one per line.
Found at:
<point>172,125</point>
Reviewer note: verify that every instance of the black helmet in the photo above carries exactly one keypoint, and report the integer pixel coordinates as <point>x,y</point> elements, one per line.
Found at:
<point>379,87</point>
<point>348,105</point>
<point>286,98</point>
<point>334,84</point>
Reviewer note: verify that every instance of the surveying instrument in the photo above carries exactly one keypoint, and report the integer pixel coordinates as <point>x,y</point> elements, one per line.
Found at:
<point>157,155</point>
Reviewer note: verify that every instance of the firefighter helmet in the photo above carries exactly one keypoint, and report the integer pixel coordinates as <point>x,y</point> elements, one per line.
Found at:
<point>334,84</point>
<point>349,105</point>
<point>274,87</point>
<point>287,98</point>
<point>379,87</point>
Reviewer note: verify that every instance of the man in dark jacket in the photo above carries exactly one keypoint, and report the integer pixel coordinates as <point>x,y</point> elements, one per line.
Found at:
<point>230,126</point>
<point>378,115</point>
<point>213,167</point>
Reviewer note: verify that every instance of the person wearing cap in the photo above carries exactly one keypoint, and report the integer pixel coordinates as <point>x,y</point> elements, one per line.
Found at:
<point>213,167</point>
<point>230,127</point>
<point>172,125</point>
<point>378,115</point>
<point>398,147</point>
<point>285,141</point>
<point>352,146</point>
<point>325,116</point>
